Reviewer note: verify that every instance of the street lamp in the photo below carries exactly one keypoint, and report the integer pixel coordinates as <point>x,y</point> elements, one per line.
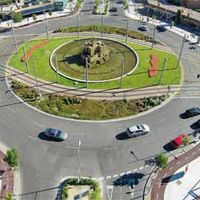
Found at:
<point>79,169</point>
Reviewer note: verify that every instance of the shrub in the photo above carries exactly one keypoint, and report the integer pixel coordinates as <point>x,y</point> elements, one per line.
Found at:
<point>16,17</point>
<point>64,193</point>
<point>162,160</point>
<point>28,94</point>
<point>186,140</point>
<point>34,17</point>
<point>12,158</point>
<point>8,196</point>
<point>50,13</point>
<point>17,85</point>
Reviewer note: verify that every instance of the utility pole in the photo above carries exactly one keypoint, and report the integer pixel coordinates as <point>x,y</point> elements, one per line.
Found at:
<point>26,60</point>
<point>162,70</point>
<point>126,31</point>
<point>86,68</point>
<point>154,34</point>
<point>102,26</point>
<point>79,169</point>
<point>56,65</point>
<point>14,37</point>
<point>180,54</point>
<point>78,25</point>
<point>122,72</point>
<point>46,24</point>
<point>36,79</point>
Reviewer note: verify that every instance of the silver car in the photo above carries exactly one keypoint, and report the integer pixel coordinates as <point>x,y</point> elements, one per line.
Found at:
<point>137,130</point>
<point>55,134</point>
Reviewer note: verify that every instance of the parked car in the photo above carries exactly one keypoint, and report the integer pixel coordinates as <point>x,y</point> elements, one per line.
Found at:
<point>192,112</point>
<point>198,123</point>
<point>161,28</point>
<point>55,134</point>
<point>178,141</point>
<point>143,28</point>
<point>137,130</point>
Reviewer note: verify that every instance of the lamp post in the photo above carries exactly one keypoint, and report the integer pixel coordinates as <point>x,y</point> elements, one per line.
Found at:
<point>122,72</point>
<point>78,25</point>
<point>14,37</point>
<point>56,65</point>
<point>126,31</point>
<point>154,34</point>
<point>102,26</point>
<point>181,51</point>
<point>86,68</point>
<point>79,169</point>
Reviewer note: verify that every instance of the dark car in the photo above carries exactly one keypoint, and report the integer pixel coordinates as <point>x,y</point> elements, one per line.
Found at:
<point>161,28</point>
<point>143,28</point>
<point>55,134</point>
<point>192,112</point>
<point>198,123</point>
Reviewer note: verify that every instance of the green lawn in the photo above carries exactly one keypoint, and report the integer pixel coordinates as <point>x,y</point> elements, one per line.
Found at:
<point>139,78</point>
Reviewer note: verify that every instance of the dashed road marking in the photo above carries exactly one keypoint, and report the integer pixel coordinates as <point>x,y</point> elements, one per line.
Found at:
<point>142,167</point>
<point>123,173</point>
<point>108,177</point>
<point>115,175</point>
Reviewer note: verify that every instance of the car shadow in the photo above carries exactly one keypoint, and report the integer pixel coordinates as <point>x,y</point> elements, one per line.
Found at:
<point>183,116</point>
<point>122,136</point>
<point>42,136</point>
<point>194,126</point>
<point>167,147</point>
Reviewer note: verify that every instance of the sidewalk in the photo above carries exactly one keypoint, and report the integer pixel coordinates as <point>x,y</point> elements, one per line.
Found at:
<point>164,182</point>
<point>131,13</point>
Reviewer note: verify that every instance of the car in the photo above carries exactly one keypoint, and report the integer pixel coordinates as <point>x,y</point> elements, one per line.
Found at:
<point>137,130</point>
<point>161,28</point>
<point>55,133</point>
<point>178,141</point>
<point>198,123</point>
<point>143,28</point>
<point>192,112</point>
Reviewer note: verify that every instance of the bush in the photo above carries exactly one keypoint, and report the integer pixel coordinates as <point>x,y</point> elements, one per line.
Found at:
<point>107,29</point>
<point>162,160</point>
<point>17,85</point>
<point>186,140</point>
<point>64,193</point>
<point>28,94</point>
<point>12,158</point>
<point>8,196</point>
<point>16,17</point>
<point>34,16</point>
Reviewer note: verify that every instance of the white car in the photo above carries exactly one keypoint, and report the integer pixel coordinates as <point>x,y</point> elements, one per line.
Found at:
<point>137,130</point>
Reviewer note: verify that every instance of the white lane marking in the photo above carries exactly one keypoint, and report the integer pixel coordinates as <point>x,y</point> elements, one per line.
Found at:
<point>142,167</point>
<point>109,191</point>
<point>129,172</point>
<point>11,110</point>
<point>108,177</point>
<point>135,170</point>
<point>101,178</point>
<point>115,175</point>
<point>31,137</point>
<point>39,125</point>
<point>121,174</point>
<point>4,122</point>
<point>146,165</point>
<point>189,97</point>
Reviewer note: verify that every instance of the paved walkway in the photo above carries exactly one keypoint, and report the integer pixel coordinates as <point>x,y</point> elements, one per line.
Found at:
<point>6,177</point>
<point>161,181</point>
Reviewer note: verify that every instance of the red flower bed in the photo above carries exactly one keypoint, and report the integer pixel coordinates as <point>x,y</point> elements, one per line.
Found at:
<point>154,66</point>
<point>32,49</point>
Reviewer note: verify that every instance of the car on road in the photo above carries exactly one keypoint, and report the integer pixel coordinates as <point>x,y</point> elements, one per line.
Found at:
<point>192,112</point>
<point>143,28</point>
<point>55,133</point>
<point>178,141</point>
<point>198,123</point>
<point>137,130</point>
<point>161,28</point>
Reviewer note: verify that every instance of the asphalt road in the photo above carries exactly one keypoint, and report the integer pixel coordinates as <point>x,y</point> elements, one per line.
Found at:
<point>45,163</point>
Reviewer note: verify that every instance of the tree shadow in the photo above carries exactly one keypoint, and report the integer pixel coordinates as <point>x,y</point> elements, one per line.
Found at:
<point>173,177</point>
<point>129,179</point>
<point>122,136</point>
<point>42,136</point>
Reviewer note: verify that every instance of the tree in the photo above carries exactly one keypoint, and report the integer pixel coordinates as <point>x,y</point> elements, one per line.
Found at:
<point>162,160</point>
<point>5,2</point>
<point>186,141</point>
<point>12,158</point>
<point>34,17</point>
<point>16,16</point>
<point>178,16</point>
<point>8,196</point>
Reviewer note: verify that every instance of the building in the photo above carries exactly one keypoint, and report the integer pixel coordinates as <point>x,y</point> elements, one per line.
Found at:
<point>193,4</point>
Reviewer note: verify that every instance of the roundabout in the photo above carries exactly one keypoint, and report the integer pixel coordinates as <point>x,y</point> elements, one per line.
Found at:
<point>72,66</point>
<point>106,155</point>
